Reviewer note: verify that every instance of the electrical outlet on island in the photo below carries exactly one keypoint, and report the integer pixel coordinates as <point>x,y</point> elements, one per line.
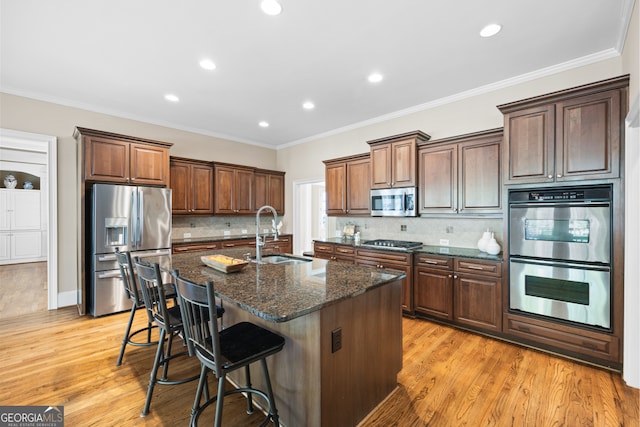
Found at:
<point>444,242</point>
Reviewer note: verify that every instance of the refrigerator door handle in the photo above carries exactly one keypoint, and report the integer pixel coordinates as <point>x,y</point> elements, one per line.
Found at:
<point>140,225</point>
<point>134,219</point>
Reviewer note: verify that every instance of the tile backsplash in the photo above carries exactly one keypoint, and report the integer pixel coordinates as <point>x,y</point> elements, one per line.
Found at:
<point>217,226</point>
<point>460,232</point>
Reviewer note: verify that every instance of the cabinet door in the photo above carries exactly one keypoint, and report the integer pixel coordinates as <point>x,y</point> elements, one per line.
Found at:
<point>180,187</point>
<point>26,245</point>
<point>5,246</point>
<point>106,160</point>
<point>403,163</point>
<point>244,192</point>
<point>224,190</point>
<point>149,165</point>
<point>588,137</point>
<point>381,156</point>
<point>6,209</point>
<point>438,179</point>
<point>480,183</point>
<point>201,189</point>
<point>433,293</point>
<point>358,187</point>
<point>26,210</point>
<point>529,150</point>
<point>269,190</point>
<point>335,184</point>
<point>477,301</point>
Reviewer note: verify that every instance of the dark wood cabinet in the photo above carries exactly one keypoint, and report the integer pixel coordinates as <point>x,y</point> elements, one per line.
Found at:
<point>269,190</point>
<point>284,245</point>
<point>110,157</point>
<point>461,175</point>
<point>234,190</point>
<point>393,160</point>
<point>392,260</point>
<point>569,135</point>
<point>467,292</point>
<point>433,286</point>
<point>191,187</point>
<point>347,183</point>
<point>477,294</point>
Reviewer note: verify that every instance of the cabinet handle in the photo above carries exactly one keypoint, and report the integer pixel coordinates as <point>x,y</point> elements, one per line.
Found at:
<point>455,276</point>
<point>550,177</point>
<point>474,267</point>
<point>450,276</point>
<point>428,261</point>
<point>559,175</point>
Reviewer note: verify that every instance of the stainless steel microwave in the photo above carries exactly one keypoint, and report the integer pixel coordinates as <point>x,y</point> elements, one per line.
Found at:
<point>394,202</point>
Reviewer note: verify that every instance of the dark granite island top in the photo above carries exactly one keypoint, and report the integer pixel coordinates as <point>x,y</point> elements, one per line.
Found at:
<point>279,293</point>
<point>316,380</point>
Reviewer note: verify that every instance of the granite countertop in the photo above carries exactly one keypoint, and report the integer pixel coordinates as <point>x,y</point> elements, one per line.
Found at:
<point>448,251</point>
<point>279,293</point>
<point>207,239</point>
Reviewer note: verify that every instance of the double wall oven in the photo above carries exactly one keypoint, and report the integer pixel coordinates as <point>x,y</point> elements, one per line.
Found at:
<point>560,254</point>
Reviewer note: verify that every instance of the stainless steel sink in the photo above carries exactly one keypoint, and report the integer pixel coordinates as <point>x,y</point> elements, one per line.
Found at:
<point>282,259</point>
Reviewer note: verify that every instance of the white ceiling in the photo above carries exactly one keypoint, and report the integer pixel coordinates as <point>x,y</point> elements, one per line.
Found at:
<point>121,57</point>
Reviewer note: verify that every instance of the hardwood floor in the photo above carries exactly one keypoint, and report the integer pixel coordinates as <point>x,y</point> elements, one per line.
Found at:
<point>449,378</point>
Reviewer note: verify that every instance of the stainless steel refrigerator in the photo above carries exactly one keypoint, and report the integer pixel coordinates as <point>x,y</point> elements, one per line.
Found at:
<point>130,218</point>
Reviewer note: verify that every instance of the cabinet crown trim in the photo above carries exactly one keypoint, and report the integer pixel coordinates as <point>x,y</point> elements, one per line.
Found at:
<point>418,134</point>
<point>619,82</point>
<point>490,133</point>
<point>80,131</point>
<point>362,156</point>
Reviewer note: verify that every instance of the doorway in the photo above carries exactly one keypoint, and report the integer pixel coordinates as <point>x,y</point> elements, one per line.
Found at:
<point>37,154</point>
<point>310,215</point>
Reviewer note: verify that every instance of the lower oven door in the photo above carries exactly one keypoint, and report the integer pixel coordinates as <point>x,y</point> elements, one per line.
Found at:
<point>573,292</point>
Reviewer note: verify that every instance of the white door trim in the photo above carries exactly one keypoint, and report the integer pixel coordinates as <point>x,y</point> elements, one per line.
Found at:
<point>297,184</point>
<point>25,141</point>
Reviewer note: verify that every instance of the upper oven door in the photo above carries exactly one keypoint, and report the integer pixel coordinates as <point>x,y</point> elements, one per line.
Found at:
<point>562,231</point>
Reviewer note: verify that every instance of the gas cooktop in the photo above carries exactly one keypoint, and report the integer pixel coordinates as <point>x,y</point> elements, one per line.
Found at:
<point>401,245</point>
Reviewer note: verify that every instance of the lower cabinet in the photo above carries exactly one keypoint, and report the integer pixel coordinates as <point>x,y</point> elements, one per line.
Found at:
<point>464,291</point>
<point>21,246</point>
<point>193,247</point>
<point>392,260</point>
<point>330,251</point>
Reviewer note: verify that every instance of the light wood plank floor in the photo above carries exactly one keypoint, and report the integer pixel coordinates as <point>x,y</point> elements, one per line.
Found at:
<point>450,378</point>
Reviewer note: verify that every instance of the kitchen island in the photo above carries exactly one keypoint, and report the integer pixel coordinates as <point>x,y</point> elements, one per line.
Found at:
<point>342,324</point>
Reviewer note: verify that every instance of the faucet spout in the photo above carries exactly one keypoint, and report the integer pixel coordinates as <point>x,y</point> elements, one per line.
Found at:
<point>259,241</point>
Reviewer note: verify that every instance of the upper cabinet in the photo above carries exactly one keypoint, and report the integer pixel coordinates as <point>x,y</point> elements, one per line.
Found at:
<point>191,187</point>
<point>461,175</point>
<point>393,160</point>
<point>269,189</point>
<point>110,157</point>
<point>234,190</point>
<point>569,135</point>
<point>347,183</point>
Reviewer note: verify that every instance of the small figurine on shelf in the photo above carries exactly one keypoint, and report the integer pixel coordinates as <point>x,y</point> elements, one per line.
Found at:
<point>27,185</point>
<point>10,181</point>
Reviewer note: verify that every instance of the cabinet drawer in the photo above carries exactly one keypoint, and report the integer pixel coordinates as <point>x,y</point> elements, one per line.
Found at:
<point>425,260</point>
<point>195,247</point>
<point>386,257</point>
<point>344,250</point>
<point>576,340</point>
<point>323,247</point>
<point>478,267</point>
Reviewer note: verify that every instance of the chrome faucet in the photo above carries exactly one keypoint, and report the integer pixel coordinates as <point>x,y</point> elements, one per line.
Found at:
<point>259,241</point>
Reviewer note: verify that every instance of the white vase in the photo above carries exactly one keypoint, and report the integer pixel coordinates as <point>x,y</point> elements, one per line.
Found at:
<point>484,241</point>
<point>493,248</point>
<point>10,181</point>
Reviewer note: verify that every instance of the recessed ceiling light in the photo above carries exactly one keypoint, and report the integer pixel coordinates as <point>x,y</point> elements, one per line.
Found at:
<point>375,77</point>
<point>490,30</point>
<point>207,64</point>
<point>171,97</point>
<point>263,124</point>
<point>271,7</point>
<point>308,105</point>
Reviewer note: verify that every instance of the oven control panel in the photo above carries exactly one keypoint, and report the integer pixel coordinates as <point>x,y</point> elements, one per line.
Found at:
<point>573,194</point>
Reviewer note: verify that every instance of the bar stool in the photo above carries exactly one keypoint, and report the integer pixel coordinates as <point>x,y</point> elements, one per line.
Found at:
<point>169,322</point>
<point>132,289</point>
<point>224,351</point>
